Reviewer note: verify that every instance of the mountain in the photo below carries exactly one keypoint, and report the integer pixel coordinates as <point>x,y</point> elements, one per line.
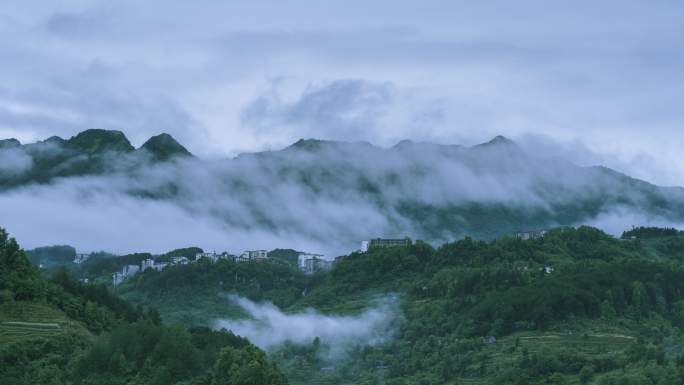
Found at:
<point>91,152</point>
<point>9,143</point>
<point>443,191</point>
<point>98,141</point>
<point>163,147</point>
<point>334,193</point>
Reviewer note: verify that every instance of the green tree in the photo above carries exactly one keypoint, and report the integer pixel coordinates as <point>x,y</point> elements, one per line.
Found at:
<point>245,366</point>
<point>639,299</point>
<point>585,374</point>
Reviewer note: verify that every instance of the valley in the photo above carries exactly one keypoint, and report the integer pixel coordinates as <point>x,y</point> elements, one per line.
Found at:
<point>473,312</point>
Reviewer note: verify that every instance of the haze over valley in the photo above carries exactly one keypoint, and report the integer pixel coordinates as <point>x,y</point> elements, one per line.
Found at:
<point>341,193</point>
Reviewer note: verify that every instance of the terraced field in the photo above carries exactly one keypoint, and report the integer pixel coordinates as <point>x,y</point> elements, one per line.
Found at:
<point>504,352</point>
<point>20,321</point>
<point>15,331</point>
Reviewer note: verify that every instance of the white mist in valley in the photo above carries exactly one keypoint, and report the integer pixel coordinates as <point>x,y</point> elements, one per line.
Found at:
<point>268,327</point>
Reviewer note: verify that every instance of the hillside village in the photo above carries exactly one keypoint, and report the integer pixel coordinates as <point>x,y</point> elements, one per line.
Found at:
<point>307,263</point>
<point>212,257</point>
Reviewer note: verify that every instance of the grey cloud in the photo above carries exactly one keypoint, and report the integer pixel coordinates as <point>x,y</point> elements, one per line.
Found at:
<point>531,67</point>
<point>96,96</point>
<point>400,46</point>
<point>619,219</point>
<point>82,25</point>
<point>341,109</point>
<point>14,161</point>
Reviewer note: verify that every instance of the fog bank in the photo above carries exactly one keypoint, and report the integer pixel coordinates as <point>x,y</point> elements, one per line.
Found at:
<point>326,197</point>
<point>269,327</point>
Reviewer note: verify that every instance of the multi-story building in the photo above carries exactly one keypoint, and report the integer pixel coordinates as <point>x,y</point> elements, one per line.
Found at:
<point>130,270</point>
<point>180,260</point>
<point>80,258</point>
<point>254,255</point>
<point>126,271</point>
<point>160,266</point>
<point>213,257</point>
<point>534,234</point>
<point>311,263</point>
<point>384,242</point>
<point>147,264</point>
<point>117,278</point>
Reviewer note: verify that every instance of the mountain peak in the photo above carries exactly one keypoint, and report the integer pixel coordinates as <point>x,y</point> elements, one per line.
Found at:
<point>498,141</point>
<point>404,143</point>
<point>316,145</point>
<point>164,147</point>
<point>9,143</point>
<point>55,140</point>
<point>308,144</point>
<point>96,140</point>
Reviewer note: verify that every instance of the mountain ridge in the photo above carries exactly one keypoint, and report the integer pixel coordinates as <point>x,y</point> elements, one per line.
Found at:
<point>356,190</point>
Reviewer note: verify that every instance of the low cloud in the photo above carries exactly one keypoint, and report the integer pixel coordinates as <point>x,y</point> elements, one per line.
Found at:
<point>14,162</point>
<point>619,219</point>
<point>269,327</point>
<point>322,197</point>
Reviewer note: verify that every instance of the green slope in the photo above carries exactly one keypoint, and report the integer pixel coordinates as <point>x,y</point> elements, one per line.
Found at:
<point>60,331</point>
<point>479,312</point>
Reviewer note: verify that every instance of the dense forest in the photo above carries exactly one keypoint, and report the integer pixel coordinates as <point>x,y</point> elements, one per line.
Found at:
<point>577,306</point>
<point>60,331</point>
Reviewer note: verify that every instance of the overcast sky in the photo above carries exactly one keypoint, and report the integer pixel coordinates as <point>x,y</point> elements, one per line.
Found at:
<point>597,82</point>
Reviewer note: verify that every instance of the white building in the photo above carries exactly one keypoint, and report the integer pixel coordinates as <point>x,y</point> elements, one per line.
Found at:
<point>385,242</point>
<point>147,264</point>
<point>527,235</point>
<point>213,257</point>
<point>311,263</point>
<point>117,278</point>
<point>254,255</point>
<point>80,258</point>
<point>126,271</point>
<point>130,270</point>
<point>160,266</point>
<point>180,260</point>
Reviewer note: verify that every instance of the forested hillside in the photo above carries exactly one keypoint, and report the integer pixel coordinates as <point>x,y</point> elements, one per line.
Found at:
<point>326,195</point>
<point>575,307</point>
<point>59,331</point>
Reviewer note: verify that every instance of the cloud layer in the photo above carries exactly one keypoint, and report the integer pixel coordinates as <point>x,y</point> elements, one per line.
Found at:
<point>229,78</point>
<point>269,327</point>
<point>325,197</point>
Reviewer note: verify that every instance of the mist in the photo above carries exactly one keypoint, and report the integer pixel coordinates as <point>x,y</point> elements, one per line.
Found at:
<point>269,327</point>
<point>326,197</point>
<point>14,161</point>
